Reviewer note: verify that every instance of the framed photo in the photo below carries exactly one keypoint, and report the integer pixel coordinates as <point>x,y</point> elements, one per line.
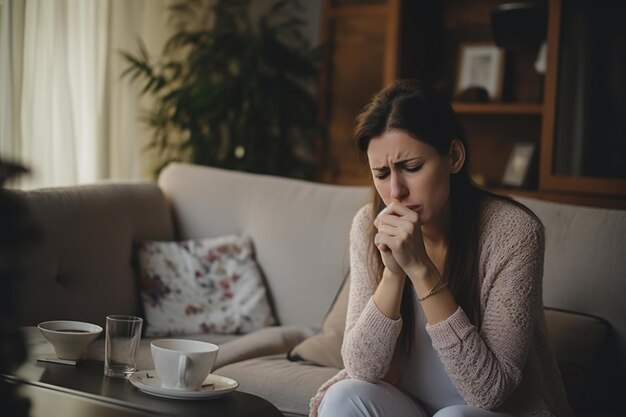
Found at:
<point>481,65</point>
<point>517,168</point>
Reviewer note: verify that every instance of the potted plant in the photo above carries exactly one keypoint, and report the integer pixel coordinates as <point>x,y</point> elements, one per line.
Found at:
<point>233,91</point>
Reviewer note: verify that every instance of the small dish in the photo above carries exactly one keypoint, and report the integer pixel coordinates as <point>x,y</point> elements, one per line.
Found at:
<point>214,386</point>
<point>69,338</point>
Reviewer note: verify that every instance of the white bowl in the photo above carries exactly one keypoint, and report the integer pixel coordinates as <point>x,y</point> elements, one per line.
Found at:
<point>69,338</point>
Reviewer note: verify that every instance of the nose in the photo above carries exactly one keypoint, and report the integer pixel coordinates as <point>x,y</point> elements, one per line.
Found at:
<point>399,190</point>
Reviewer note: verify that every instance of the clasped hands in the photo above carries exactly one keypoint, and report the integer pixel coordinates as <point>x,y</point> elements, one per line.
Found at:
<point>400,241</point>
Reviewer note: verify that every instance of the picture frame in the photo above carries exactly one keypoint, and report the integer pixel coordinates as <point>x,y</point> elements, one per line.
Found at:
<point>517,171</point>
<point>480,65</point>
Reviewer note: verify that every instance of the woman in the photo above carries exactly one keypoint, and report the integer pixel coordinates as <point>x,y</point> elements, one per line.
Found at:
<point>445,312</point>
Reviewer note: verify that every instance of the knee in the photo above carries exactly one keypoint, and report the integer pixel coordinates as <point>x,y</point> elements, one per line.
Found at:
<point>345,398</point>
<point>452,411</point>
<point>462,411</point>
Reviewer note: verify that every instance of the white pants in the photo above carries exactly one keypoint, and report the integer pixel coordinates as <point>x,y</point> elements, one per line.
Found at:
<point>357,398</point>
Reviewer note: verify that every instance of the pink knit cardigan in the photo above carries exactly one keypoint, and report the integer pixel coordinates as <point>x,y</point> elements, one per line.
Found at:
<point>507,365</point>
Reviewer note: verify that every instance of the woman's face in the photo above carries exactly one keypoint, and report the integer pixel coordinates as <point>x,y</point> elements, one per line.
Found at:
<point>411,172</point>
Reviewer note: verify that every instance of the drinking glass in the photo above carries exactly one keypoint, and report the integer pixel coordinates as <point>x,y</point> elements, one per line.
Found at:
<point>123,334</point>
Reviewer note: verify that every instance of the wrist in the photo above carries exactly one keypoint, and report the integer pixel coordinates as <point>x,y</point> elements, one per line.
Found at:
<point>388,294</point>
<point>389,275</point>
<point>417,272</point>
<point>424,277</point>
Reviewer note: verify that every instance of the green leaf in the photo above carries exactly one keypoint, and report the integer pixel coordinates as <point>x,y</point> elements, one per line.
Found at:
<point>243,81</point>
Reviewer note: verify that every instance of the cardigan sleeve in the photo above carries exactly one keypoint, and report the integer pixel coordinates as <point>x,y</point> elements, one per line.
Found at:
<point>370,336</point>
<point>487,365</point>
<point>314,404</point>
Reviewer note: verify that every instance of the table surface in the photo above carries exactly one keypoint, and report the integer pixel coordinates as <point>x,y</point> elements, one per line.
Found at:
<point>87,380</point>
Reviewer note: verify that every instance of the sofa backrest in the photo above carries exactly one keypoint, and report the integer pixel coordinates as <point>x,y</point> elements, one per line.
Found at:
<point>585,262</point>
<point>300,229</point>
<point>82,268</point>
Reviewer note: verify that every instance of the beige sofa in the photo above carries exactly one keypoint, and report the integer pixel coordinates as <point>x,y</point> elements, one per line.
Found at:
<point>84,270</point>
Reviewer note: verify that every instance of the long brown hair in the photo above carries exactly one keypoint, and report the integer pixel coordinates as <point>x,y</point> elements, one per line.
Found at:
<point>423,113</point>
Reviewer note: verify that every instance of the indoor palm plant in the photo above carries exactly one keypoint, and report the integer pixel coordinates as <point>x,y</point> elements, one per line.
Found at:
<point>231,90</point>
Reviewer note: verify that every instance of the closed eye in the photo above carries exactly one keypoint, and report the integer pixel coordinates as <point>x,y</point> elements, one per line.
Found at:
<point>413,168</point>
<point>381,175</point>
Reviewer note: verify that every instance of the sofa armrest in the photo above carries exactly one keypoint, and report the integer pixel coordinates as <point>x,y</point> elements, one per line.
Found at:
<point>582,345</point>
<point>267,341</point>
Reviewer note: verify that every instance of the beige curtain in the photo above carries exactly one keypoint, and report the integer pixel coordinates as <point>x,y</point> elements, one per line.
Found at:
<point>64,110</point>
<point>63,75</point>
<point>10,69</point>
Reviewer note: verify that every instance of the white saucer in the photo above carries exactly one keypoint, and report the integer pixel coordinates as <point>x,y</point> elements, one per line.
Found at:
<point>216,386</point>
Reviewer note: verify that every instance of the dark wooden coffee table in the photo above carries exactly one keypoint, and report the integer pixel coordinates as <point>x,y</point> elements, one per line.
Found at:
<point>84,387</point>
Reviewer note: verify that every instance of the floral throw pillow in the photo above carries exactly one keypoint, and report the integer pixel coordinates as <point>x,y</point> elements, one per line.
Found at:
<point>202,286</point>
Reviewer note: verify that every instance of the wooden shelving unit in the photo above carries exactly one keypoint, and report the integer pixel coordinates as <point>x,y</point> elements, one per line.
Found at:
<point>498,108</point>
<point>356,10</point>
<point>372,42</point>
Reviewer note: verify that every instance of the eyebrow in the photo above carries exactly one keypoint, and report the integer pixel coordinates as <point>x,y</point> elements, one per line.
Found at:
<point>397,163</point>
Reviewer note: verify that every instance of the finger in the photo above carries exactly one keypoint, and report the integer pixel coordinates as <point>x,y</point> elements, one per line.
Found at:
<point>384,242</point>
<point>378,242</point>
<point>383,228</point>
<point>395,231</point>
<point>397,210</point>
<point>397,227</point>
<point>382,247</point>
<point>394,221</point>
<point>391,220</point>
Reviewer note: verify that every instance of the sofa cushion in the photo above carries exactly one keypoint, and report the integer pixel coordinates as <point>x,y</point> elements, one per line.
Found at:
<point>82,268</point>
<point>288,385</point>
<point>324,348</point>
<point>202,286</point>
<point>264,342</point>
<point>300,229</point>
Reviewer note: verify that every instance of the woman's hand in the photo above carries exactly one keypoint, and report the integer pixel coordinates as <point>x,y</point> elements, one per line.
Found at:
<point>401,244</point>
<point>388,259</point>
<point>385,253</point>
<point>399,239</point>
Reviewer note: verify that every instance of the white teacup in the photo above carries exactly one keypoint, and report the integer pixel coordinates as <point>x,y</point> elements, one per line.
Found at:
<point>183,364</point>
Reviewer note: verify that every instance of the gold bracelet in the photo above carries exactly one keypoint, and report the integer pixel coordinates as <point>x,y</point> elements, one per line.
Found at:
<point>430,292</point>
<point>434,290</point>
